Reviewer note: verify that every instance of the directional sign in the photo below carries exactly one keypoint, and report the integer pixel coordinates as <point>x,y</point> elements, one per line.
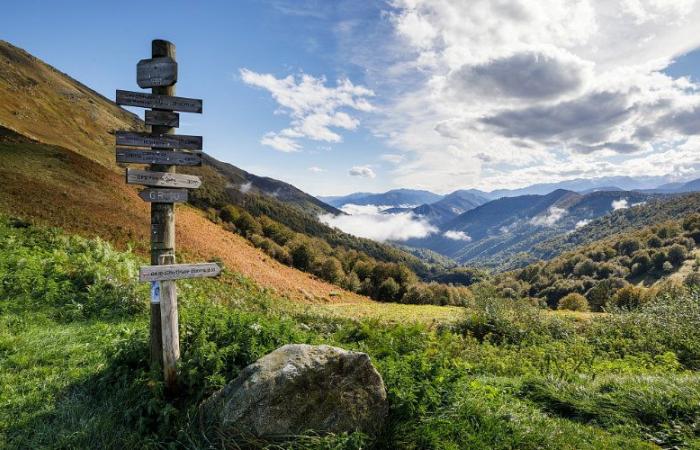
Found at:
<point>164,118</point>
<point>156,72</point>
<point>140,99</point>
<point>164,157</point>
<point>164,195</point>
<point>161,141</point>
<point>162,179</point>
<point>178,271</point>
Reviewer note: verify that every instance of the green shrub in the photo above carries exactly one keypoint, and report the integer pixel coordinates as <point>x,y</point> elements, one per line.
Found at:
<point>389,290</point>
<point>630,297</point>
<point>573,302</point>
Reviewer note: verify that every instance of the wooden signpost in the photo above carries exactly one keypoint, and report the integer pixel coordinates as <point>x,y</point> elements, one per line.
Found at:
<point>164,195</point>
<point>165,118</point>
<point>167,157</point>
<point>156,72</point>
<point>177,271</point>
<point>162,179</point>
<point>165,102</point>
<point>174,141</point>
<point>160,74</point>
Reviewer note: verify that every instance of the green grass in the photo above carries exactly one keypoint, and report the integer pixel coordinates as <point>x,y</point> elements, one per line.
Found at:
<point>74,372</point>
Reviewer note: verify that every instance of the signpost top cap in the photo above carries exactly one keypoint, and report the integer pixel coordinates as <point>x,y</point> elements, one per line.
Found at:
<point>161,47</point>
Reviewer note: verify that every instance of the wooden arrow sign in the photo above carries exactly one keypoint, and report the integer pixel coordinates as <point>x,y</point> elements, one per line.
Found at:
<point>178,271</point>
<point>156,72</point>
<point>135,139</point>
<point>164,118</point>
<point>164,195</point>
<point>164,157</point>
<point>162,179</point>
<point>140,99</point>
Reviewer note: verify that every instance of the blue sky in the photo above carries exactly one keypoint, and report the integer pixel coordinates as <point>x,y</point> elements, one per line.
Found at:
<point>423,94</point>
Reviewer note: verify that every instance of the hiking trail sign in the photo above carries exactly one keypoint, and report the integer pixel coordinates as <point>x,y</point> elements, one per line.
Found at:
<point>163,152</point>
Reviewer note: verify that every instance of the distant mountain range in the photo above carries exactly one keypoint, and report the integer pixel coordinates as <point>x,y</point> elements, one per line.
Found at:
<point>404,198</point>
<point>396,198</point>
<point>501,228</point>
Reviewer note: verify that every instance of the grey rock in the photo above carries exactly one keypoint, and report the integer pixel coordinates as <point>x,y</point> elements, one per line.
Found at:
<point>300,388</point>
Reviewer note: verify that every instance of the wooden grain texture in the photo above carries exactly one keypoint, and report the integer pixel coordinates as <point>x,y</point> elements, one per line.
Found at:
<point>158,101</point>
<point>163,214</point>
<point>171,141</point>
<point>178,272</point>
<point>169,326</point>
<point>155,72</point>
<point>162,179</point>
<point>164,157</point>
<point>164,195</point>
<point>165,118</point>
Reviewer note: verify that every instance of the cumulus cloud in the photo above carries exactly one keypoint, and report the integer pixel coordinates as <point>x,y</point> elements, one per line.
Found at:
<point>528,75</point>
<point>369,222</point>
<point>362,171</point>
<point>620,204</point>
<point>316,110</point>
<point>549,218</point>
<point>517,91</point>
<point>457,235</point>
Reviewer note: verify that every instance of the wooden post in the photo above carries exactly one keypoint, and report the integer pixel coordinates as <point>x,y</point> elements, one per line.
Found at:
<point>163,235</point>
<point>169,325</point>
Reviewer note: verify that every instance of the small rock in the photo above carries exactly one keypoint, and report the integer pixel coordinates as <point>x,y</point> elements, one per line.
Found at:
<point>300,388</point>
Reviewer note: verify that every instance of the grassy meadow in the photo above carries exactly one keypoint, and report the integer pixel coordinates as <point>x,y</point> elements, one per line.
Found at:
<point>496,374</point>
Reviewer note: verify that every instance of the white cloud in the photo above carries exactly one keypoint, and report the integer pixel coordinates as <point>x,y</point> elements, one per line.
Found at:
<point>517,91</point>
<point>281,143</point>
<point>362,171</point>
<point>316,169</point>
<point>620,204</point>
<point>316,110</point>
<point>549,218</point>
<point>369,222</point>
<point>582,223</point>
<point>457,235</point>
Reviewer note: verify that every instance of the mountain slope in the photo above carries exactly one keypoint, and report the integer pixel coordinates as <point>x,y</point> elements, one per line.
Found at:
<point>57,168</point>
<point>496,233</point>
<point>55,186</point>
<point>450,206</point>
<point>84,191</point>
<point>244,182</point>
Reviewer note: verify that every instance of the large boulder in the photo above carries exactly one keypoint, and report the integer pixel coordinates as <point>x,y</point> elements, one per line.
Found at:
<point>299,388</point>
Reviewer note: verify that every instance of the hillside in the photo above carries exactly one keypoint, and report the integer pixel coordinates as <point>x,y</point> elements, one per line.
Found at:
<point>498,233</point>
<point>52,185</point>
<point>450,206</point>
<point>87,195</point>
<point>623,270</point>
<point>75,374</point>
<point>59,169</point>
